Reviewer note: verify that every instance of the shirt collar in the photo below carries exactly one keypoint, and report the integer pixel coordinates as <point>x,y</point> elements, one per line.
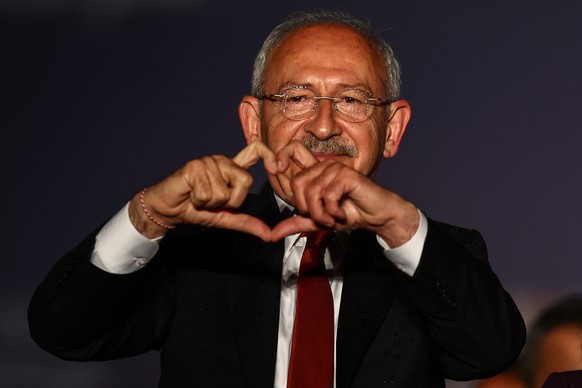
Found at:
<point>292,239</point>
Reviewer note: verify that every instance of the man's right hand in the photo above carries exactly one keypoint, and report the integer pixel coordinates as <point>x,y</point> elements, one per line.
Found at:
<point>207,192</point>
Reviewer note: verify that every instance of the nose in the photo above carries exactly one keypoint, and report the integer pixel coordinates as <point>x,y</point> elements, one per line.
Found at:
<point>323,124</point>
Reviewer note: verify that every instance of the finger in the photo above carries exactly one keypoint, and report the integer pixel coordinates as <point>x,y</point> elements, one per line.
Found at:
<point>197,178</point>
<point>297,153</point>
<point>349,185</point>
<point>300,182</point>
<point>244,223</point>
<point>360,202</point>
<point>252,153</point>
<point>225,184</point>
<point>292,225</point>
<point>335,208</point>
<point>239,181</point>
<point>308,186</point>
<point>315,189</point>
<point>309,202</point>
<point>216,191</point>
<point>337,192</point>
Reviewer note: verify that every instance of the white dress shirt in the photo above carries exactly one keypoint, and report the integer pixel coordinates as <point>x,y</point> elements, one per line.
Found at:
<point>121,249</point>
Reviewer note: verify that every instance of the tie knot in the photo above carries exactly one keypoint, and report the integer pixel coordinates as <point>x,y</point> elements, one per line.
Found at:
<point>315,246</point>
<point>318,239</point>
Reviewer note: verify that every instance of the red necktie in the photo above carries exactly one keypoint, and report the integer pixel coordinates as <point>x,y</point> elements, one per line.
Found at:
<point>311,363</point>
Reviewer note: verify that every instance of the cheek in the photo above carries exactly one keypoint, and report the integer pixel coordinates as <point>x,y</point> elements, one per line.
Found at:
<point>281,183</point>
<point>279,133</point>
<point>370,149</point>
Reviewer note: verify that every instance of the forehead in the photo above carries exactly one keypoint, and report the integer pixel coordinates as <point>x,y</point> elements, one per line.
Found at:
<point>325,55</point>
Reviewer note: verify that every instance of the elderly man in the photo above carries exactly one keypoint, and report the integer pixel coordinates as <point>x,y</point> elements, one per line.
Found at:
<point>326,278</point>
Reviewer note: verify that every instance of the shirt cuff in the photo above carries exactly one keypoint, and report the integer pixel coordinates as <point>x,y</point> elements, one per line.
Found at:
<point>407,256</point>
<point>120,248</point>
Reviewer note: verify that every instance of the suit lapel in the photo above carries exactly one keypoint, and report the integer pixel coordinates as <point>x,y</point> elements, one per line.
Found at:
<point>254,294</point>
<point>367,295</point>
<point>254,302</point>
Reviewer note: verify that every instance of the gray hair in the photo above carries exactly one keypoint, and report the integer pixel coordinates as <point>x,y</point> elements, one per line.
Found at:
<point>301,20</point>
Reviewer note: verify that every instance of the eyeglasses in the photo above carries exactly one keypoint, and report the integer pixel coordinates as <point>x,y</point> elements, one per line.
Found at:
<point>299,103</point>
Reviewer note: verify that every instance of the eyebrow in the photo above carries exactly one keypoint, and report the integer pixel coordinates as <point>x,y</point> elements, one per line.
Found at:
<point>355,86</point>
<point>342,86</point>
<point>291,85</point>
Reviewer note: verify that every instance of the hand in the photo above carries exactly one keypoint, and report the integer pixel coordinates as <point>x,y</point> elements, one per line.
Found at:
<point>206,191</point>
<point>330,194</point>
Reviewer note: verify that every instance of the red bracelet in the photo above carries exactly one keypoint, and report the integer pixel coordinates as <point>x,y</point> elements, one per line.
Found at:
<point>152,219</point>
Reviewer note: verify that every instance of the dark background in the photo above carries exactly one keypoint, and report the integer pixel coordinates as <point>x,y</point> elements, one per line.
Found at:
<point>100,98</point>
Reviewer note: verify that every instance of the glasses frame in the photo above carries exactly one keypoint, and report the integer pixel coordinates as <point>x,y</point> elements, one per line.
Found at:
<point>370,101</point>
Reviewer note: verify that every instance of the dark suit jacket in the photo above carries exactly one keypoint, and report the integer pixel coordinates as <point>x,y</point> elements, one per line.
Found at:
<point>210,301</point>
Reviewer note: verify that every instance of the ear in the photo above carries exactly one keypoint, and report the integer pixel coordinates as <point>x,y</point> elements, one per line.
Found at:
<point>250,118</point>
<point>396,126</point>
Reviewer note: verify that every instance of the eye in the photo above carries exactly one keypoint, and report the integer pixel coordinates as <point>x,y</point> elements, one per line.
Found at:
<point>353,97</point>
<point>351,100</point>
<point>296,98</point>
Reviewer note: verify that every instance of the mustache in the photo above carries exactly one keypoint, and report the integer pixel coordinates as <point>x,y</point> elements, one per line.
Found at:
<point>333,145</point>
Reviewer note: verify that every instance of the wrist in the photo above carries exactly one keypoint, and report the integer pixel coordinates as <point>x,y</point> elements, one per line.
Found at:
<point>401,228</point>
<point>144,219</point>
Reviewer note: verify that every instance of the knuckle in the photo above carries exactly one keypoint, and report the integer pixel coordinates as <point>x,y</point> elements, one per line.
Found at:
<point>218,158</point>
<point>200,196</point>
<point>193,165</point>
<point>296,184</point>
<point>312,191</point>
<point>328,195</point>
<point>221,195</point>
<point>245,179</point>
<point>207,159</point>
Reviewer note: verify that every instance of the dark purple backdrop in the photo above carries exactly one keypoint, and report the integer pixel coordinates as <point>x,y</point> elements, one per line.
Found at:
<point>101,98</point>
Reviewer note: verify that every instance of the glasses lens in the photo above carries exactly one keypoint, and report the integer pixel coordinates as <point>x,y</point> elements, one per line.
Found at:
<point>298,103</point>
<point>353,106</point>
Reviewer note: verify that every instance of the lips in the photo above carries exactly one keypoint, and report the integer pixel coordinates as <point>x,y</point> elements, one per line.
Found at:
<point>321,156</point>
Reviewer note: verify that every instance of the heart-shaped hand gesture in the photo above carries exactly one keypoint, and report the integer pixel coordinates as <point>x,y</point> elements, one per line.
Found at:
<point>327,194</point>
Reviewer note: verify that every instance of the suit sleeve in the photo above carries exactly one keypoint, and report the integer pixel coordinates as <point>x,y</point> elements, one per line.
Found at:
<point>472,319</point>
<point>81,312</point>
